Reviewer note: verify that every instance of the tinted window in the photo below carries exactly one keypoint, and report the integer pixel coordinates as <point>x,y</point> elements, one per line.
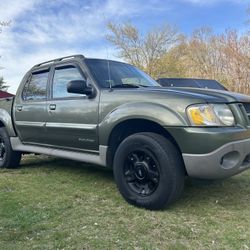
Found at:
<point>114,73</point>
<point>61,78</point>
<point>35,89</point>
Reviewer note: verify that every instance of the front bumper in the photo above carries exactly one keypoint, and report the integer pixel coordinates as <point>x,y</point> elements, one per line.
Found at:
<point>228,160</point>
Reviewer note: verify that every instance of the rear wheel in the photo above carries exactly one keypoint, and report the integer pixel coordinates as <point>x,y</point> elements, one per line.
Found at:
<point>148,170</point>
<point>8,157</point>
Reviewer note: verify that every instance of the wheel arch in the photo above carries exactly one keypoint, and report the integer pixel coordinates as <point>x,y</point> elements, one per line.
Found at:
<point>132,126</point>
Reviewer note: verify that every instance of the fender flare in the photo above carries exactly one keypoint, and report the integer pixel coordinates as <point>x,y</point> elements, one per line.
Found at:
<point>157,113</point>
<point>6,120</point>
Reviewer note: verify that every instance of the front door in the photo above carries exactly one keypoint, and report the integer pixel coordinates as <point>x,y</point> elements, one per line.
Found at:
<point>71,118</point>
<point>30,108</point>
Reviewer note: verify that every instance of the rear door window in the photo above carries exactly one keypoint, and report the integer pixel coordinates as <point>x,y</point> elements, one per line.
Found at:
<point>36,87</point>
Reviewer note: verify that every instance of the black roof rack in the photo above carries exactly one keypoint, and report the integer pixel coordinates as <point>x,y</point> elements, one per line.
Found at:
<point>59,60</point>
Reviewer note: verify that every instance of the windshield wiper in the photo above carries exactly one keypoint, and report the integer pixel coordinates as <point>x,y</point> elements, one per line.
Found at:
<point>125,86</point>
<point>144,86</point>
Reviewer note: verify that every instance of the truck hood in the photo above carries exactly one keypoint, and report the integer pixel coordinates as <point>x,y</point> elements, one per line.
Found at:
<point>209,95</point>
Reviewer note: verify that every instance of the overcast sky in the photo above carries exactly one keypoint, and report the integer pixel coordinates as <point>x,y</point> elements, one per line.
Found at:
<point>45,29</point>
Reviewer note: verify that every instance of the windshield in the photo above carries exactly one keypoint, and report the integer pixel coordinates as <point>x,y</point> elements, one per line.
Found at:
<point>118,75</point>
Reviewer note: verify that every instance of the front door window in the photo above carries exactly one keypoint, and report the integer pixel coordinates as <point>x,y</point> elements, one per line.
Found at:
<point>61,78</point>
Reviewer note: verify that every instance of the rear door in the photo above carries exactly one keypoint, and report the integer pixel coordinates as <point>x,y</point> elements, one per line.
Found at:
<point>30,108</point>
<point>71,118</point>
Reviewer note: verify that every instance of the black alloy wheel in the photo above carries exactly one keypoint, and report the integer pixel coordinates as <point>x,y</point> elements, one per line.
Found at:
<point>149,170</point>
<point>141,172</point>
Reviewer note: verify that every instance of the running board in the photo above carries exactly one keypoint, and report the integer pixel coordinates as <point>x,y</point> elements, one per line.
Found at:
<point>99,159</point>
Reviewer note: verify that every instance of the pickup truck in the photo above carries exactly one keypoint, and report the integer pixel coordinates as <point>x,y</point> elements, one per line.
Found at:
<point>112,114</point>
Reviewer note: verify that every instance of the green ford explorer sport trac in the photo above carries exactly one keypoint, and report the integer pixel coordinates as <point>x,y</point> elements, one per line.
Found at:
<point>112,114</point>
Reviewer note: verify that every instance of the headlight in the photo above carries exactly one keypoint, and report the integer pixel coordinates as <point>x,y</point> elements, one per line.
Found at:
<point>210,115</point>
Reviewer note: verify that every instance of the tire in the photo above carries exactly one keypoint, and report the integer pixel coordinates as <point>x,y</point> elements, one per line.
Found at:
<point>149,171</point>
<point>8,157</point>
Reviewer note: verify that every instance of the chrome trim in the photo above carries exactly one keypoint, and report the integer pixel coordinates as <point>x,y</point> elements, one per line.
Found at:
<point>71,125</point>
<point>32,124</point>
<point>57,125</point>
<point>99,159</point>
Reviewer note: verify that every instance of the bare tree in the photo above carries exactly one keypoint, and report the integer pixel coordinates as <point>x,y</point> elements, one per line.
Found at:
<point>143,51</point>
<point>3,85</point>
<point>224,57</point>
<point>2,82</point>
<point>199,53</point>
<point>235,51</point>
<point>4,24</point>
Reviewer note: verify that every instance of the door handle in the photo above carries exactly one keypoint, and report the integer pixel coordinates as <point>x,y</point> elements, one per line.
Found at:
<point>52,106</point>
<point>19,108</point>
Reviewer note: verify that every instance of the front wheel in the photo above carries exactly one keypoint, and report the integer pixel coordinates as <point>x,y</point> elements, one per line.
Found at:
<point>8,157</point>
<point>148,170</point>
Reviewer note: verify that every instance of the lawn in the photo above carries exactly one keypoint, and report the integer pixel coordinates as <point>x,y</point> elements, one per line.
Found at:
<point>58,204</point>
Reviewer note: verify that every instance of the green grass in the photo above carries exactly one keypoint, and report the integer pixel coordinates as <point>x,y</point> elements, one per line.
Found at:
<point>57,204</point>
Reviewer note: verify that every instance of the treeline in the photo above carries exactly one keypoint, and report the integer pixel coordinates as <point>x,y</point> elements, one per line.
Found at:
<point>164,52</point>
<point>3,85</point>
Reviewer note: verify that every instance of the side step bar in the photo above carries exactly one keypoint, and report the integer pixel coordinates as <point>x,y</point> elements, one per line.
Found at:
<point>99,159</point>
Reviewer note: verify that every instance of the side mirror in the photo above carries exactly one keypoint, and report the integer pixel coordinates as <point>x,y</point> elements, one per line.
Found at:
<point>79,87</point>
